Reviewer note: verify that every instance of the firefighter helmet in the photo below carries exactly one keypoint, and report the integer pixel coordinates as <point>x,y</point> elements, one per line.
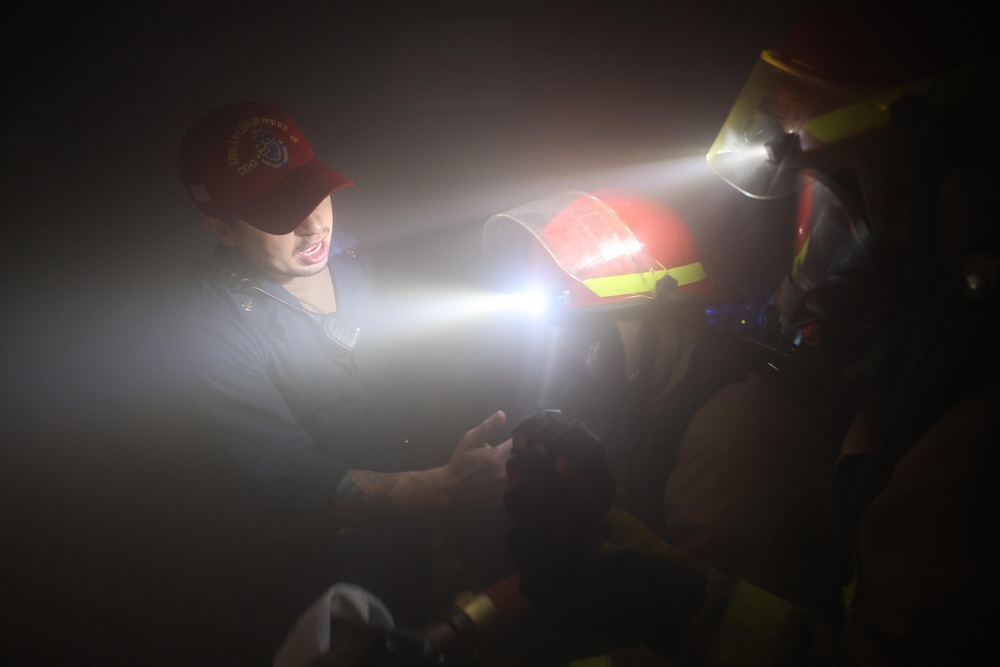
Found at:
<point>594,249</point>
<point>882,106</point>
<point>858,73</point>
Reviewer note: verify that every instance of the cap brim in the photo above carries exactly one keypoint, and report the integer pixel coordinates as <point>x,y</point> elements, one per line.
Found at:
<point>282,207</point>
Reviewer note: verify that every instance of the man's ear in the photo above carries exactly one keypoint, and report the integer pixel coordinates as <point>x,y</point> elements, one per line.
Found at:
<point>220,229</point>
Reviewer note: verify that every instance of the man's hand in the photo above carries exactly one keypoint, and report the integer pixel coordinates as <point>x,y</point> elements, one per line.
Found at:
<point>476,473</point>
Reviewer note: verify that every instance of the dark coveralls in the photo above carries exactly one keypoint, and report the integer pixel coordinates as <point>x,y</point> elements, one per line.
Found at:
<point>282,413</point>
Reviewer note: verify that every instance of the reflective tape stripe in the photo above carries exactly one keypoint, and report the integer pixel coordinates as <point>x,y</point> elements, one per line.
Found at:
<point>644,283</point>
<point>859,117</point>
<point>800,258</point>
<point>751,625</point>
<point>850,120</point>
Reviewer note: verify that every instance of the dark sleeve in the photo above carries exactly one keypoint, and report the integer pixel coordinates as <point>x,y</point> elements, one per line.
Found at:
<point>280,475</point>
<point>927,581</point>
<point>927,588</point>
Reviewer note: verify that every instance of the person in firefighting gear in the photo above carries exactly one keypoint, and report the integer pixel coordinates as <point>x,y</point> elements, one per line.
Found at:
<point>667,392</point>
<point>626,293</point>
<point>882,118</point>
<point>560,497</point>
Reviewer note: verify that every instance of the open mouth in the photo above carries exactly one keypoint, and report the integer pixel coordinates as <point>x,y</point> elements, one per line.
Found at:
<point>313,249</point>
<point>315,253</point>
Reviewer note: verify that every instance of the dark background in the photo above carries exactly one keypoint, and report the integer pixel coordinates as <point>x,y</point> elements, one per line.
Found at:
<point>443,113</point>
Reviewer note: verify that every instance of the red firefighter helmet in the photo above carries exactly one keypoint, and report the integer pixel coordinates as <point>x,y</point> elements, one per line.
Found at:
<point>607,247</point>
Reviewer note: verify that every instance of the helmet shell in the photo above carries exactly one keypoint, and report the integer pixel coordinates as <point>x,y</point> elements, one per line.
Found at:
<point>605,247</point>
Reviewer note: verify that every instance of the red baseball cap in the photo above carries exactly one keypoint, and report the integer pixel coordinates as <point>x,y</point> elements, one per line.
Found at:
<point>252,160</point>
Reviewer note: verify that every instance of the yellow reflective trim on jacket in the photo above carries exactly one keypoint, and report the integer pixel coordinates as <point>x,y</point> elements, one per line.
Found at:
<point>644,283</point>
<point>751,625</point>
<point>800,257</point>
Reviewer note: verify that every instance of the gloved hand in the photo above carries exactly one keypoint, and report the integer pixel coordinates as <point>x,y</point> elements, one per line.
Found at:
<point>594,569</point>
<point>559,482</point>
<point>632,588</point>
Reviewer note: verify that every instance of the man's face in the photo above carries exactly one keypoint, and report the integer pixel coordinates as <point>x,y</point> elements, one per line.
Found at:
<point>303,252</point>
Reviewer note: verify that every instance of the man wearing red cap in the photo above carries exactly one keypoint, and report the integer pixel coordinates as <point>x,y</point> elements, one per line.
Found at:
<point>283,362</point>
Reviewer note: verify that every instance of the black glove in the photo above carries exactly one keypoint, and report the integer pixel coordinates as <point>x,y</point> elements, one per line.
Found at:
<point>584,565</point>
<point>559,480</point>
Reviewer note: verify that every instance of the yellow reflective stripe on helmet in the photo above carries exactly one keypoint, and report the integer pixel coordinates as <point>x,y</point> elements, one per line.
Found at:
<point>644,283</point>
<point>751,625</point>
<point>859,117</point>
<point>949,89</point>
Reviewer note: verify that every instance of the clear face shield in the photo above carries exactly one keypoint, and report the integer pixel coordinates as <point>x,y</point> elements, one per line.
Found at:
<point>783,113</point>
<point>576,255</point>
<point>571,244</point>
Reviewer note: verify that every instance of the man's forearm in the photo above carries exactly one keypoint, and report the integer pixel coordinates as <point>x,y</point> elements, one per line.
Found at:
<point>365,496</point>
<point>475,473</point>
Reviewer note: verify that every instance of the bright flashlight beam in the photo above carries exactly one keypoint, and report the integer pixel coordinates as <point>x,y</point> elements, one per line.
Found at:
<point>531,302</point>
<point>432,309</point>
<point>429,309</point>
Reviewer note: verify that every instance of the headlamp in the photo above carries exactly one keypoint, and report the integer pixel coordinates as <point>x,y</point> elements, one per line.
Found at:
<point>779,148</point>
<point>539,301</point>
